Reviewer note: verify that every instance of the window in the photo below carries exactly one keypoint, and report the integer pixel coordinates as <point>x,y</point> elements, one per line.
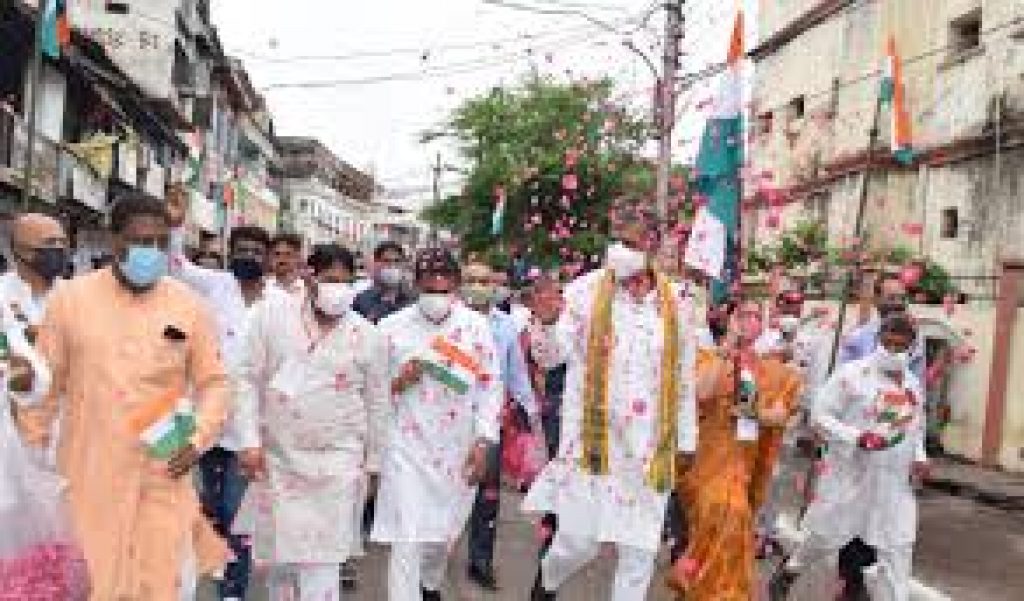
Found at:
<point>117,8</point>
<point>796,107</point>
<point>965,33</point>
<point>950,223</point>
<point>764,123</point>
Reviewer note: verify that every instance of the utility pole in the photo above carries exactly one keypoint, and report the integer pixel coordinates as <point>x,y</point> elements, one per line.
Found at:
<point>33,97</point>
<point>437,195</point>
<point>665,102</point>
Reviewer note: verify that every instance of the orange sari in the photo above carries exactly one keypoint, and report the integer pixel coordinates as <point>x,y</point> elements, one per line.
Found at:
<point>729,481</point>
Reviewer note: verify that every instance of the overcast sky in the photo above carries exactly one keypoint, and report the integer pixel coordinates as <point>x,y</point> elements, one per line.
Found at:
<point>442,51</point>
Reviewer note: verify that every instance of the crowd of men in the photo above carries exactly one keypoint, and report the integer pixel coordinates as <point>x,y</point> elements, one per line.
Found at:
<point>328,414</point>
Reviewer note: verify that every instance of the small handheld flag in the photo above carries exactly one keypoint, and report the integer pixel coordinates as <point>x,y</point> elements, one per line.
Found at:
<point>164,425</point>
<point>451,366</point>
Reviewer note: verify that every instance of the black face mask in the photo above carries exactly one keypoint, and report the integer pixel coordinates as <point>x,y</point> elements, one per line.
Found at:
<point>246,269</point>
<point>48,263</point>
<point>718,328</point>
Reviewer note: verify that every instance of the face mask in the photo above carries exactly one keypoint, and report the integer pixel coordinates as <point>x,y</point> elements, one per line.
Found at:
<point>246,269</point>
<point>502,294</point>
<point>477,295</point>
<point>49,263</point>
<point>143,266</point>
<point>788,324</point>
<point>889,362</point>
<point>625,262</point>
<point>334,299</point>
<point>391,276</point>
<point>435,306</point>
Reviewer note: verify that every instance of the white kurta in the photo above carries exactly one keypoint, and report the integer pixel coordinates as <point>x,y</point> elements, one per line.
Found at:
<point>619,507</point>
<point>423,495</point>
<point>866,494</point>
<point>321,421</point>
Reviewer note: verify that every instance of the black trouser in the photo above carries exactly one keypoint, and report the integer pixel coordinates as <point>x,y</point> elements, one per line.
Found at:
<point>483,522</point>
<point>853,558</point>
<point>223,487</point>
<point>675,527</point>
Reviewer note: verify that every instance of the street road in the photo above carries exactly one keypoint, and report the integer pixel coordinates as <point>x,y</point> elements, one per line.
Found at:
<point>966,552</point>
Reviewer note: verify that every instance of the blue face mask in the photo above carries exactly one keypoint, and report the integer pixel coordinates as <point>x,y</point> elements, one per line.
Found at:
<point>143,265</point>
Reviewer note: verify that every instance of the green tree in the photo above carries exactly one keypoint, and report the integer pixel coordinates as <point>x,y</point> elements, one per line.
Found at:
<point>558,153</point>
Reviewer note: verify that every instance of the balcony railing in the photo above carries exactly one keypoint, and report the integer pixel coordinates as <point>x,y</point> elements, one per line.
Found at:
<point>56,173</point>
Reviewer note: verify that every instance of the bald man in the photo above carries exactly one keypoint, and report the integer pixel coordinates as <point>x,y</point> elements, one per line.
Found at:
<point>39,249</point>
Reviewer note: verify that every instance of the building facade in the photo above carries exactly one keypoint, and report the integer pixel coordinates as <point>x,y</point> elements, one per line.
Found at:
<point>959,202</point>
<point>330,201</point>
<point>144,96</point>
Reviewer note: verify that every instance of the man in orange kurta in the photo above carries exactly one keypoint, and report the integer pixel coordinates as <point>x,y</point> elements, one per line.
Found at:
<point>736,454</point>
<point>116,339</point>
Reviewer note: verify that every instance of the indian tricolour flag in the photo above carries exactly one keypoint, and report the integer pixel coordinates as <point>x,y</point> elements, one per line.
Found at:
<point>164,425</point>
<point>893,94</point>
<point>56,30</point>
<point>451,366</point>
<point>498,217</point>
<point>713,235</point>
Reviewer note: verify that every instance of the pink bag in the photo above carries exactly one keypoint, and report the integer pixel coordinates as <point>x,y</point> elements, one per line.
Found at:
<point>39,558</point>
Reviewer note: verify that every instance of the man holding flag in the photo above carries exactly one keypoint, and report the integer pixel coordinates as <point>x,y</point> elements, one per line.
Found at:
<point>446,394</point>
<point>138,379</point>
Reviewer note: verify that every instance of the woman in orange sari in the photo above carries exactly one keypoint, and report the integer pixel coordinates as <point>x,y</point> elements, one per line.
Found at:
<point>737,447</point>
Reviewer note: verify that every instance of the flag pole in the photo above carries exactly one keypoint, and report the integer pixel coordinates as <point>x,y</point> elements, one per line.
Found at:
<point>858,232</point>
<point>35,70</point>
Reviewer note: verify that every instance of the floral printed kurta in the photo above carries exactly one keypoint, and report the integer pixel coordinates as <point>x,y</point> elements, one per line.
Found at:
<point>423,495</point>
<point>866,494</point>
<point>110,350</point>
<point>729,479</point>
<point>321,417</point>
<point>619,507</point>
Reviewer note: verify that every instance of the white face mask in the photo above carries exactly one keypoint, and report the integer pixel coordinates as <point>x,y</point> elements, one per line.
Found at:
<point>391,276</point>
<point>625,262</point>
<point>889,362</point>
<point>788,324</point>
<point>435,306</point>
<point>502,294</point>
<point>334,299</point>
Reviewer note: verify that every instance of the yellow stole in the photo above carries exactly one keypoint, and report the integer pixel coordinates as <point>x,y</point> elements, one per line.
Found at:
<point>595,427</point>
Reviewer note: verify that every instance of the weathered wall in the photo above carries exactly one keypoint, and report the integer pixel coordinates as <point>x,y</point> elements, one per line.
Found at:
<point>974,326</point>
<point>950,97</point>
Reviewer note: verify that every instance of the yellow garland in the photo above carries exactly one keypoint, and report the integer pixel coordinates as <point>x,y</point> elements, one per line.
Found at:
<point>595,427</point>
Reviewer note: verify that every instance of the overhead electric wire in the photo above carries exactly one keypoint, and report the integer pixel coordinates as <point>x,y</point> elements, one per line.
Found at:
<point>428,49</point>
<point>437,71</point>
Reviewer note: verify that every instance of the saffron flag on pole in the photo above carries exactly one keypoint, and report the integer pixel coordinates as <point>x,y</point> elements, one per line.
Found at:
<point>56,30</point>
<point>713,237</point>
<point>451,366</point>
<point>893,93</point>
<point>164,425</point>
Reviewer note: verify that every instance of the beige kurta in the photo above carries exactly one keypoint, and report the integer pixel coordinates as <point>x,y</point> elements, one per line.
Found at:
<point>109,351</point>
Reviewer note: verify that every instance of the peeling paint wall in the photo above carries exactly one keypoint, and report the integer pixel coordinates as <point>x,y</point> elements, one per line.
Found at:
<point>950,94</point>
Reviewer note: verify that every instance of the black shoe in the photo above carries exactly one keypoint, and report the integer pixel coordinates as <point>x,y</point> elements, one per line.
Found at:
<point>483,577</point>
<point>431,595</point>
<point>781,584</point>
<point>539,593</point>
<point>349,579</point>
